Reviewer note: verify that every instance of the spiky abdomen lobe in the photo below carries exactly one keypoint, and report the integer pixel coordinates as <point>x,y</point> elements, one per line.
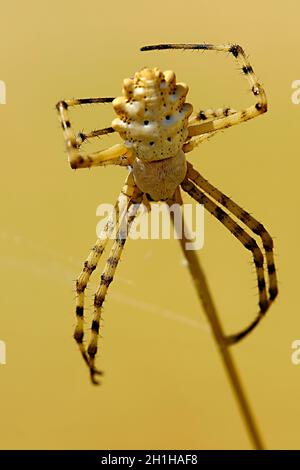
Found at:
<point>152,115</point>
<point>160,178</point>
<point>154,137</point>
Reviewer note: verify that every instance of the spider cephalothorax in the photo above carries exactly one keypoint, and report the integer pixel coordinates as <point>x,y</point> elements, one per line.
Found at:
<point>157,130</point>
<point>153,121</point>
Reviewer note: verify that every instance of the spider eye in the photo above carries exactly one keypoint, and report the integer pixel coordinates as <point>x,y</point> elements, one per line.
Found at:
<point>146,123</point>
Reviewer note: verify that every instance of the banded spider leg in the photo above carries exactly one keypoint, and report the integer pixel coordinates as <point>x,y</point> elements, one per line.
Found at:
<point>213,200</point>
<point>127,206</point>
<point>116,155</point>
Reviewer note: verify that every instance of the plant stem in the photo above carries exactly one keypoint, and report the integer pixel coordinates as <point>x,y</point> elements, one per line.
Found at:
<point>206,299</point>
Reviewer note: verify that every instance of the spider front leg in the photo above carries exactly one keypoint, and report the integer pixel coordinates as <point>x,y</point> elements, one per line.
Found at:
<point>249,243</point>
<point>236,117</point>
<point>90,265</point>
<point>115,155</point>
<point>254,225</point>
<point>135,197</point>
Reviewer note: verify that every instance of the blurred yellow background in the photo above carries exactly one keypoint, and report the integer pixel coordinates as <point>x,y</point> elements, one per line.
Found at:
<point>164,386</point>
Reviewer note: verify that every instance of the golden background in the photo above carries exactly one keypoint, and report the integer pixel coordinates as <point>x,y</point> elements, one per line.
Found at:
<point>164,386</point>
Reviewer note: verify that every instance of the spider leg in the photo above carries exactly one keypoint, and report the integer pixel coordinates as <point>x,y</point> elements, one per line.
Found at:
<point>195,141</point>
<point>210,114</point>
<point>115,155</point>
<point>248,242</point>
<point>89,266</point>
<point>207,115</point>
<point>239,116</point>
<point>83,136</point>
<point>256,227</point>
<point>134,198</point>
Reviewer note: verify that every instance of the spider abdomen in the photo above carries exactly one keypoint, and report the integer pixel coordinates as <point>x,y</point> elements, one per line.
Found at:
<point>152,115</point>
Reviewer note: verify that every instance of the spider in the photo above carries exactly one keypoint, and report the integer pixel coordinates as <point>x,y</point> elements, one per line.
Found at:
<point>154,121</point>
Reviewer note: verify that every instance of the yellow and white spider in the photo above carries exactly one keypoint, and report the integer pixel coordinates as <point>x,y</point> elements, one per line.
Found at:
<point>154,121</point>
